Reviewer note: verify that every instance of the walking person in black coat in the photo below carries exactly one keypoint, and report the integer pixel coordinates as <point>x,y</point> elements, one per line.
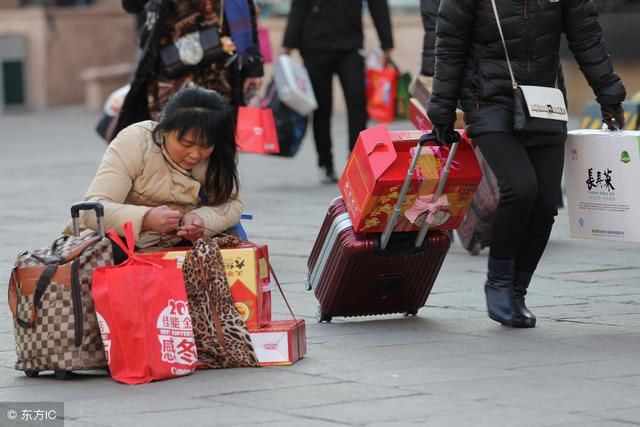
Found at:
<point>328,34</point>
<point>471,70</point>
<point>429,14</point>
<point>168,22</point>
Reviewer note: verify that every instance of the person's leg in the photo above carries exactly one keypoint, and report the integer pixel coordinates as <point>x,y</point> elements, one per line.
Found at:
<point>509,160</point>
<point>548,163</point>
<point>352,79</point>
<point>320,68</point>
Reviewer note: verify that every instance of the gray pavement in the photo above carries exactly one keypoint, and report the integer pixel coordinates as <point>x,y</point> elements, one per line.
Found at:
<point>449,366</point>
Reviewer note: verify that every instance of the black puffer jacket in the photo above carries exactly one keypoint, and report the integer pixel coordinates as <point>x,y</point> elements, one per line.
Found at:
<point>429,12</point>
<point>470,60</point>
<point>334,25</point>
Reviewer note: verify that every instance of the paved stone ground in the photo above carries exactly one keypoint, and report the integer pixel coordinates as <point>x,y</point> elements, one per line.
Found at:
<point>450,366</point>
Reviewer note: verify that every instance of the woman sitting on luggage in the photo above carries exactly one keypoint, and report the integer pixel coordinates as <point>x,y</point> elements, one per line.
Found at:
<point>175,179</point>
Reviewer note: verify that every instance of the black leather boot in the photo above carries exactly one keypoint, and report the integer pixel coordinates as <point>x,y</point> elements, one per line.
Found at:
<point>499,291</point>
<point>524,317</point>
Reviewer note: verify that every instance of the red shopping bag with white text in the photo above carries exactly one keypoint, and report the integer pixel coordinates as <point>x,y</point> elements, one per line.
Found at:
<point>382,87</point>
<point>143,316</point>
<point>256,131</point>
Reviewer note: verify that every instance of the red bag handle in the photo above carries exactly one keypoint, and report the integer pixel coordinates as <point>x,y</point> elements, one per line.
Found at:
<point>130,246</point>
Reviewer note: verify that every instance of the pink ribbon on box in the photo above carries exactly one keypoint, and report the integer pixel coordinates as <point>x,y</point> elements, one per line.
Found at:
<point>422,126</point>
<point>434,210</point>
<point>438,153</point>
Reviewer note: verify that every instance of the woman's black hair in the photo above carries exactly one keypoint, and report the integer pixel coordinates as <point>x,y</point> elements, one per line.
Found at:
<point>205,113</point>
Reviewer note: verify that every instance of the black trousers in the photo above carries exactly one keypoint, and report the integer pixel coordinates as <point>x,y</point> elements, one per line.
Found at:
<point>529,180</point>
<point>349,66</point>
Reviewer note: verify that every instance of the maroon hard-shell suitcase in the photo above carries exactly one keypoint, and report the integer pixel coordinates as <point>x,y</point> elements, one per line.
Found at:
<point>352,275</point>
<point>475,230</point>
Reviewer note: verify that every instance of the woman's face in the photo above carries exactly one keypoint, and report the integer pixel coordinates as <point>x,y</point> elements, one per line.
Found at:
<point>186,152</point>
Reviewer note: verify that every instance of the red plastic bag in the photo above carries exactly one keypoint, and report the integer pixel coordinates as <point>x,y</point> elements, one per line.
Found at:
<point>256,131</point>
<point>144,318</point>
<point>382,88</point>
<point>264,42</point>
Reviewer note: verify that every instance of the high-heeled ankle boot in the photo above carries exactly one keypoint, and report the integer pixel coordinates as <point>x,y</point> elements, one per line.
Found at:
<point>499,291</point>
<point>524,317</point>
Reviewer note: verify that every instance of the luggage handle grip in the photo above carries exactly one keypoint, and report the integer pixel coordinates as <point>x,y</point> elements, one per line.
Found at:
<point>85,206</point>
<point>424,139</point>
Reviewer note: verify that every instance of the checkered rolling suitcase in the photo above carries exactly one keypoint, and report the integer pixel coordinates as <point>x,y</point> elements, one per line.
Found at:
<point>55,321</point>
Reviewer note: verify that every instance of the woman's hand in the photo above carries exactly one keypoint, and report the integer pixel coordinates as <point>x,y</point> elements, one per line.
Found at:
<point>192,227</point>
<point>255,82</point>
<point>613,116</point>
<point>161,219</point>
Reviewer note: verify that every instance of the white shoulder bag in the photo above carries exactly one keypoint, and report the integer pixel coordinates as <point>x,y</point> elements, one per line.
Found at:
<point>536,109</point>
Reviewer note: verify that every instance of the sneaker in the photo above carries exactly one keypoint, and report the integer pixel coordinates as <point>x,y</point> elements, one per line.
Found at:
<point>327,175</point>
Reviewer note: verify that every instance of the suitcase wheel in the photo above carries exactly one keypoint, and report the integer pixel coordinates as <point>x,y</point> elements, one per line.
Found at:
<point>62,375</point>
<point>321,316</point>
<point>32,373</point>
<point>307,283</point>
<point>410,313</point>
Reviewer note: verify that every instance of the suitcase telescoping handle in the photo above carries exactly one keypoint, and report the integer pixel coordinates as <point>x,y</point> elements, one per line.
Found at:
<point>422,234</point>
<point>87,206</point>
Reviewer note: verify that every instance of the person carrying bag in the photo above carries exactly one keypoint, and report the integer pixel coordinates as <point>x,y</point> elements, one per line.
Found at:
<point>521,133</point>
<point>208,43</point>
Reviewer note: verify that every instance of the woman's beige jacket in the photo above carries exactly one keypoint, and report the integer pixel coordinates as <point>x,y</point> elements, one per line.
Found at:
<point>137,175</point>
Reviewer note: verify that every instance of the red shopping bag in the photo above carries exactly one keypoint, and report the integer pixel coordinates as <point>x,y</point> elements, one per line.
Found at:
<point>382,87</point>
<point>264,42</point>
<point>143,316</point>
<point>256,131</point>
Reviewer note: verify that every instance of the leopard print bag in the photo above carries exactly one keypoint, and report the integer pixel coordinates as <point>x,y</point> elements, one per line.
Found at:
<point>222,337</point>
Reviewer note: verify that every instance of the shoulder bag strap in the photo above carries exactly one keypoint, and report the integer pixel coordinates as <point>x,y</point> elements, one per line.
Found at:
<point>504,44</point>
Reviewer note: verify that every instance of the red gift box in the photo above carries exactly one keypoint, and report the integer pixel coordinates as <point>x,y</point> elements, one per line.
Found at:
<point>371,182</point>
<point>247,271</point>
<point>282,342</point>
<point>418,116</point>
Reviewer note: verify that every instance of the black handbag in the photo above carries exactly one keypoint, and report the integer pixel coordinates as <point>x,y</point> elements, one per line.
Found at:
<point>536,109</point>
<point>290,125</point>
<point>195,49</point>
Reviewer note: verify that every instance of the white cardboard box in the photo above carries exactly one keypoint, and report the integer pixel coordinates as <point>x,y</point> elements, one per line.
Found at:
<point>282,342</point>
<point>602,172</point>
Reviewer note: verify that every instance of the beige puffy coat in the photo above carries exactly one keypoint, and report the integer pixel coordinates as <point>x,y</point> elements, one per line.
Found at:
<point>137,175</point>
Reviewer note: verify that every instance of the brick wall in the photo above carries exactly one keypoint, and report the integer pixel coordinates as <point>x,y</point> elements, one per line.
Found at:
<point>82,38</point>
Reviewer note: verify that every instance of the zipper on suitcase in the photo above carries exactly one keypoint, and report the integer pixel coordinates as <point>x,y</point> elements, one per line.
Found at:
<point>76,297</point>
